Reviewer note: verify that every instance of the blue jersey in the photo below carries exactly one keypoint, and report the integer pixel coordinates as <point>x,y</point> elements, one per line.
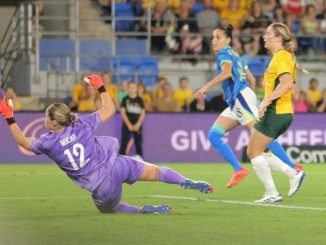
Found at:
<point>84,157</point>
<point>233,85</point>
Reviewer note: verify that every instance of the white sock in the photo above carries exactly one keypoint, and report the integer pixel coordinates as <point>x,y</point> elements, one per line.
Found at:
<point>277,164</point>
<point>263,172</point>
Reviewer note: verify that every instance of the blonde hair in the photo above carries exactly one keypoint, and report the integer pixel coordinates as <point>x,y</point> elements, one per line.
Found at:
<point>282,30</point>
<point>61,113</point>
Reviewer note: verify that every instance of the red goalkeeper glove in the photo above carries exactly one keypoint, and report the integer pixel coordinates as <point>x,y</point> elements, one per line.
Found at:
<point>7,111</point>
<point>96,81</point>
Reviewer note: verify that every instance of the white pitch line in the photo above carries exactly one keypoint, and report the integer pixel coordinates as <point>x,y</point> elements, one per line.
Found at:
<point>234,202</point>
<point>174,198</point>
<point>41,198</point>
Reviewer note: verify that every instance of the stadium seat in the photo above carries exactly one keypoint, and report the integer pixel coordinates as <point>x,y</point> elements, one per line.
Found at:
<point>94,55</point>
<point>123,69</point>
<point>124,10</point>
<point>257,66</point>
<point>57,54</point>
<point>148,70</point>
<point>125,47</point>
<point>197,7</point>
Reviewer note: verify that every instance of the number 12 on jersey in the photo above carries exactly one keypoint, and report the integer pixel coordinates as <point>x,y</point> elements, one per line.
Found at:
<point>78,150</point>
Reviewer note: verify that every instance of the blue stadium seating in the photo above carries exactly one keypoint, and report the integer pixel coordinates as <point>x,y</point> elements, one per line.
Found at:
<point>123,10</point>
<point>94,55</point>
<point>197,7</point>
<point>55,54</point>
<point>148,71</point>
<point>123,69</point>
<point>257,65</point>
<point>127,47</point>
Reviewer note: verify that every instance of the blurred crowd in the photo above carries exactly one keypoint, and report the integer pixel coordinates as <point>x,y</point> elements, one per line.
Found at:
<point>185,26</point>
<point>165,98</point>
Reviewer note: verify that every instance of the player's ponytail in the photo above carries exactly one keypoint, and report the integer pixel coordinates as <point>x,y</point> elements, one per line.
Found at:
<point>282,30</point>
<point>227,30</point>
<point>61,113</point>
<point>71,118</point>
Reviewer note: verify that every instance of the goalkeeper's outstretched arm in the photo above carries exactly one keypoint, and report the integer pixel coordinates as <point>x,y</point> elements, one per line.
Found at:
<point>108,109</point>
<point>7,111</point>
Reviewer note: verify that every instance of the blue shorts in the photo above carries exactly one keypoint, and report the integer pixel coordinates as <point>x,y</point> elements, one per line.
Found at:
<point>125,170</point>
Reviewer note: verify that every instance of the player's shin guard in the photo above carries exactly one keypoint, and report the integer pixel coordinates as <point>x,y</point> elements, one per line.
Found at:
<point>263,172</point>
<point>279,151</point>
<point>168,175</point>
<point>215,137</point>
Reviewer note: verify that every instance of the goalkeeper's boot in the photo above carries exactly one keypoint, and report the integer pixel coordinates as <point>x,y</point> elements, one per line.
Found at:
<point>237,177</point>
<point>160,209</point>
<point>201,186</point>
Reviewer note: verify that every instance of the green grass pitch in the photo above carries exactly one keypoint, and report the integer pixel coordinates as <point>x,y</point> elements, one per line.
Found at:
<point>40,205</point>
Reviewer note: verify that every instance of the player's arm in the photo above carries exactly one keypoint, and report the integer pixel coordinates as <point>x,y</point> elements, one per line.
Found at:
<point>225,74</point>
<point>251,79</point>
<point>286,84</point>
<point>7,112</point>
<point>108,109</point>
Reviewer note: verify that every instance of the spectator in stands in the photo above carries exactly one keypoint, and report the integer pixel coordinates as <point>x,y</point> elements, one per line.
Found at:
<point>123,90</point>
<point>142,93</point>
<point>111,88</point>
<point>217,103</point>
<point>183,95</point>
<point>311,29</point>
<point>190,40</point>
<point>313,92</point>
<point>268,7</point>
<point>279,15</point>
<point>158,91</point>
<point>89,102</point>
<point>78,93</point>
<point>294,9</point>
<point>233,15</point>
<point>133,114</point>
<point>160,22</point>
<point>321,105</point>
<point>302,104</point>
<point>166,103</point>
<point>11,94</point>
<point>221,5</point>
<point>2,91</point>
<point>207,21</point>
<point>105,6</point>
<point>323,30</point>
<point>256,18</point>
<point>200,105</point>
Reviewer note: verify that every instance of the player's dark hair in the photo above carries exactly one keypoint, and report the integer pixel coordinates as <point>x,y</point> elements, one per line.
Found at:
<point>227,30</point>
<point>61,113</point>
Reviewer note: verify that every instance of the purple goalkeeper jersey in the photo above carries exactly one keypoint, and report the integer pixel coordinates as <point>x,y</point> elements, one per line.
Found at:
<point>87,159</point>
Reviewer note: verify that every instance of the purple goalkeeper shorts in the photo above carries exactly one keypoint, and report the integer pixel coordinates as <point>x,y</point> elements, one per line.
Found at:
<point>124,170</point>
